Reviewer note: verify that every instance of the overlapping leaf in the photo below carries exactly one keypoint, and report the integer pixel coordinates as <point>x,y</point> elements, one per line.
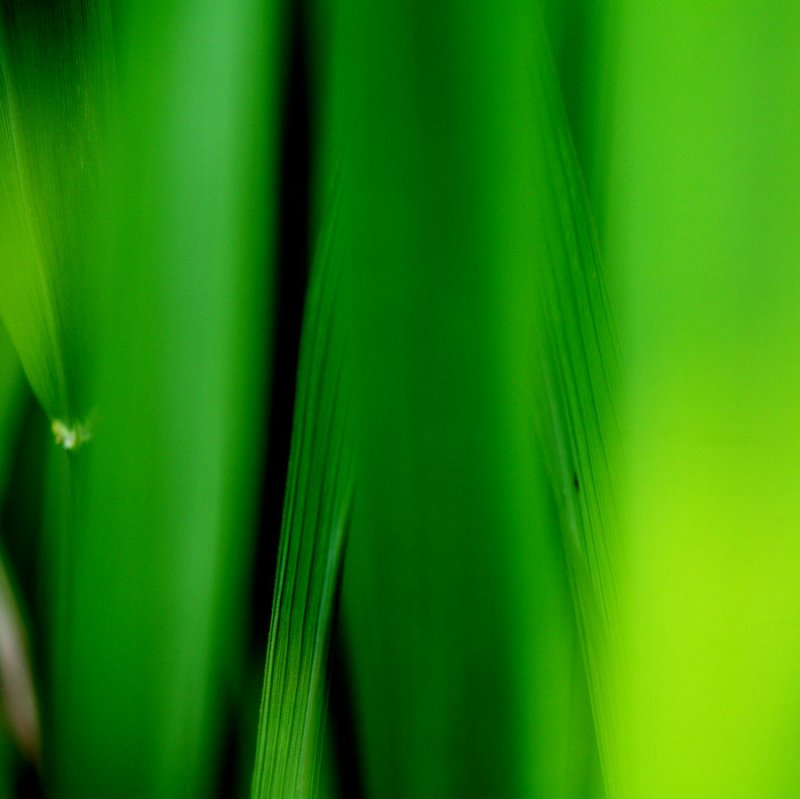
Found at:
<point>316,516</point>
<point>55,62</point>
<point>153,608</point>
<point>481,320</point>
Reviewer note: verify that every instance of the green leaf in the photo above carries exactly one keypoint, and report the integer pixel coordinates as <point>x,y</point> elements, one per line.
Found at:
<point>155,565</point>
<point>577,418</point>
<point>480,320</point>
<point>54,91</point>
<point>316,515</point>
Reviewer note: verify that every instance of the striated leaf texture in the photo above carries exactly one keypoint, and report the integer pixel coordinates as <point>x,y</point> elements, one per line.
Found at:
<point>577,379</point>
<point>316,514</point>
<point>55,65</point>
<point>479,582</point>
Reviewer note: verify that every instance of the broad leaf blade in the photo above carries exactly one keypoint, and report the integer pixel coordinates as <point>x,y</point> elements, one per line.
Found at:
<point>476,285</point>
<point>156,564</point>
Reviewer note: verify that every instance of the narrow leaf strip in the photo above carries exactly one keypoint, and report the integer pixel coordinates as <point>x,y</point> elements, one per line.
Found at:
<point>318,497</point>
<point>577,374</point>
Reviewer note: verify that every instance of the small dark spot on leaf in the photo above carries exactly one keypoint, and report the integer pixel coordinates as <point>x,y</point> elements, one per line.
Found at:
<point>575,482</point>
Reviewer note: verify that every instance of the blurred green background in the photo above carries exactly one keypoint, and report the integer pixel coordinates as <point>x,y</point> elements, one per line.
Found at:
<point>400,399</point>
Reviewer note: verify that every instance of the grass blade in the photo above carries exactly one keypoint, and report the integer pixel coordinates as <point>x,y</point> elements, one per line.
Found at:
<point>152,618</point>
<point>318,498</point>
<point>54,67</point>
<point>476,287</point>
